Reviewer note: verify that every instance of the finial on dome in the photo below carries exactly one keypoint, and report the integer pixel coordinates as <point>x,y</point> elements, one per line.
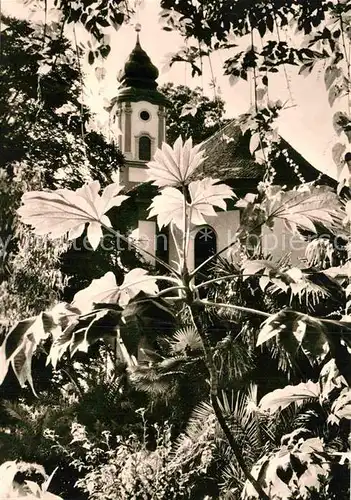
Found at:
<point>137,29</point>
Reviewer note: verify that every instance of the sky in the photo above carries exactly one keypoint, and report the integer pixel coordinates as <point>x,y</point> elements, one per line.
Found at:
<point>306,122</point>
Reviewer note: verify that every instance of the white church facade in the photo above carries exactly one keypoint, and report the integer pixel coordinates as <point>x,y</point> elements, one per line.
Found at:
<point>141,117</point>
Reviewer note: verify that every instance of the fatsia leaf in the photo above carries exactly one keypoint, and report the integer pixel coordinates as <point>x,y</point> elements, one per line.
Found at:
<point>168,207</point>
<point>64,211</point>
<point>205,194</point>
<point>136,281</point>
<point>281,398</point>
<point>105,290</point>
<point>174,166</point>
<point>84,331</point>
<point>304,206</point>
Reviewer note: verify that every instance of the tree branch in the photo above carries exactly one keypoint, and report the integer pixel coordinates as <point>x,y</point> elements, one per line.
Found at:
<point>235,308</point>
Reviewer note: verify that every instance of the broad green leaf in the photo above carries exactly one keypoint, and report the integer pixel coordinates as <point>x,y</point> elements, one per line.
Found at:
<point>34,489</point>
<point>189,109</point>
<point>22,363</point>
<point>174,166</point>
<point>338,152</point>
<point>103,289</point>
<point>330,379</point>
<point>4,363</point>
<point>171,206</point>
<point>64,211</point>
<point>16,335</point>
<point>20,344</point>
<point>334,92</point>
<point>281,398</point>
<point>339,272</point>
<point>8,471</point>
<point>250,267</point>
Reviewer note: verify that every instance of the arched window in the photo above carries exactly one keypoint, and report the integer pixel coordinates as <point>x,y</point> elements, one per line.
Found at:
<point>144,148</point>
<point>205,246</point>
<point>162,248</point>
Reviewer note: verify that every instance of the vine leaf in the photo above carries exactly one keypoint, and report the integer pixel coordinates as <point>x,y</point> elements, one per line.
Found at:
<point>64,211</point>
<point>174,166</point>
<point>281,398</point>
<point>204,196</point>
<point>331,73</point>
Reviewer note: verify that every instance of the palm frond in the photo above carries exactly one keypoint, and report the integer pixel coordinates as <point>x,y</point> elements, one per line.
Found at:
<point>233,359</point>
<point>186,341</point>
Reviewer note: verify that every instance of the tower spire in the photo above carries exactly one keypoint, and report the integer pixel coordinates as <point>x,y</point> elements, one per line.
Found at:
<point>138,29</point>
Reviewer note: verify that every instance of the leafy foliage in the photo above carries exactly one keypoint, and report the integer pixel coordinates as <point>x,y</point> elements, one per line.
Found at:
<point>192,114</point>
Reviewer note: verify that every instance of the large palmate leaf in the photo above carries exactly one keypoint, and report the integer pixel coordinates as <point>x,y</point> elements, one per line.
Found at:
<point>171,205</point>
<point>281,398</point>
<point>303,207</point>
<point>173,167</point>
<point>64,211</point>
<point>277,279</point>
<point>168,207</point>
<point>105,290</point>
<point>205,195</point>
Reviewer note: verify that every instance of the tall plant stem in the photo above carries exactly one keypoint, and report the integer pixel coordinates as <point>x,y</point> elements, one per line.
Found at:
<point>194,309</point>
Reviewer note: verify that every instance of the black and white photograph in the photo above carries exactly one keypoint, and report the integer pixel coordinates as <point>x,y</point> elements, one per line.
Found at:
<point>175,249</point>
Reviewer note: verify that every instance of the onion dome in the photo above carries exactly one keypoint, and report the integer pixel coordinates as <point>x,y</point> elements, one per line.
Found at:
<point>138,79</point>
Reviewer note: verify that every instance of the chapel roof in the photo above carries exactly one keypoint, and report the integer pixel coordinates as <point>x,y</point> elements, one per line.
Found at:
<point>229,159</point>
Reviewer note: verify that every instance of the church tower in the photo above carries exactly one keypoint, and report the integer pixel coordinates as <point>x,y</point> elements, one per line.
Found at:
<point>140,109</point>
